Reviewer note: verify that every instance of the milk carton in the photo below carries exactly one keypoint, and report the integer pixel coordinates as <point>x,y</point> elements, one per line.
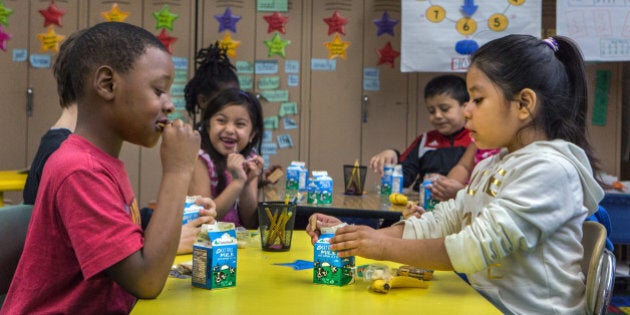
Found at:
<point>297,179</point>
<point>191,210</point>
<point>214,256</point>
<point>329,268</point>
<point>324,184</point>
<point>397,179</point>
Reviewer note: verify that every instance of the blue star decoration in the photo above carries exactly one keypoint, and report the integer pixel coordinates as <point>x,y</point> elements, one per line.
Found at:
<point>227,21</point>
<point>385,25</point>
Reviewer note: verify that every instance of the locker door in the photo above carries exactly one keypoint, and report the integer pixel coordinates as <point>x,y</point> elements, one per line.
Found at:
<point>335,86</point>
<point>47,31</point>
<point>159,17</point>
<point>386,105</point>
<point>14,41</point>
<point>279,40</point>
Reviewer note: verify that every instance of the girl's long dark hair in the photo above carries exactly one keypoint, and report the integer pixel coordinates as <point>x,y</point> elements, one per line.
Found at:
<point>225,98</point>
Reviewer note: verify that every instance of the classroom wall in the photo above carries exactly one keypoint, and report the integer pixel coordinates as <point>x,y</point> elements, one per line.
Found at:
<point>339,120</point>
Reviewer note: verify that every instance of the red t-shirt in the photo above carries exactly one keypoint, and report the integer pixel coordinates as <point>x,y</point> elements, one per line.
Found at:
<point>85,220</point>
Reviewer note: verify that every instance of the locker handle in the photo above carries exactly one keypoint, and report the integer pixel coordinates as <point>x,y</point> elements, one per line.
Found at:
<point>364,108</point>
<point>29,102</point>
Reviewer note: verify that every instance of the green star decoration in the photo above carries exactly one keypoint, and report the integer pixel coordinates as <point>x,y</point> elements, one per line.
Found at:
<point>164,18</point>
<point>277,45</point>
<point>4,14</point>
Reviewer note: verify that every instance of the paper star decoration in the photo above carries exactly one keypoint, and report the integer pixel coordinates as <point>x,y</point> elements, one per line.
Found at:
<point>227,21</point>
<point>115,14</point>
<point>336,24</point>
<point>4,38</point>
<point>385,25</point>
<point>276,22</point>
<point>229,45</point>
<point>337,48</point>
<point>52,15</point>
<point>50,40</point>
<point>387,55</point>
<point>4,14</point>
<point>167,40</point>
<point>164,18</point>
<point>276,45</point>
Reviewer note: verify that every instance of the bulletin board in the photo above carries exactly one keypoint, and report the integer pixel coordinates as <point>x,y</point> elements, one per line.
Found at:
<point>600,28</point>
<point>440,36</point>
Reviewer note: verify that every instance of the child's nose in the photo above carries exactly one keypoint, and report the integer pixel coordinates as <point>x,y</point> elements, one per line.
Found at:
<point>168,107</point>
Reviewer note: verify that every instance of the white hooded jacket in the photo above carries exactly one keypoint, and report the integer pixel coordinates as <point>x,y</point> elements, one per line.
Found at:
<point>516,229</point>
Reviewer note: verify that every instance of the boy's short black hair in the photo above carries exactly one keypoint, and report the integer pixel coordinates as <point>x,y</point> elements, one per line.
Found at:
<point>115,44</point>
<point>451,85</point>
<point>62,69</point>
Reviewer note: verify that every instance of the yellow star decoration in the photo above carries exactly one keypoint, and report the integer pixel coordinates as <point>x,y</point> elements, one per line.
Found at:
<point>229,44</point>
<point>115,15</point>
<point>276,45</point>
<point>50,40</point>
<point>337,48</point>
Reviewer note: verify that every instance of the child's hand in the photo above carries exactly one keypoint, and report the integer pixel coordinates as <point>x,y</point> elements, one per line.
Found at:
<point>412,210</point>
<point>180,146</point>
<point>444,188</point>
<point>358,240</point>
<point>235,163</point>
<point>378,162</point>
<point>253,167</point>
<point>317,221</point>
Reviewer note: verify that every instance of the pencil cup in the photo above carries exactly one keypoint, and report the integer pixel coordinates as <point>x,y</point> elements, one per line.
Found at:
<point>276,220</point>
<point>354,179</point>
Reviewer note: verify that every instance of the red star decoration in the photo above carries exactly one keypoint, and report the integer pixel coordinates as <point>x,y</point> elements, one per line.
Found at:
<point>276,22</point>
<point>52,15</point>
<point>167,40</point>
<point>336,23</point>
<point>387,55</point>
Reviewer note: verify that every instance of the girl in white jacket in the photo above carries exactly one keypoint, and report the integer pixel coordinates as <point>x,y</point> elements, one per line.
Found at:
<point>515,231</point>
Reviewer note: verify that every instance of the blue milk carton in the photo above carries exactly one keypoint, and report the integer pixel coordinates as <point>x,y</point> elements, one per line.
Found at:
<point>324,187</point>
<point>386,183</point>
<point>329,268</point>
<point>397,179</point>
<point>191,210</point>
<point>312,191</point>
<point>214,256</point>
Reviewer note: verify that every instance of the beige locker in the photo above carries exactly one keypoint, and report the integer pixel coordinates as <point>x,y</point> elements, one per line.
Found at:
<point>31,104</point>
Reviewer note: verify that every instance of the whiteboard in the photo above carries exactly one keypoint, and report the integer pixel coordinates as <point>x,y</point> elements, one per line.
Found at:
<point>440,36</point>
<point>600,27</point>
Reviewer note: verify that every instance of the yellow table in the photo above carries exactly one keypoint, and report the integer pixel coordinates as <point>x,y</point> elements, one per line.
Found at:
<point>11,180</point>
<point>263,288</point>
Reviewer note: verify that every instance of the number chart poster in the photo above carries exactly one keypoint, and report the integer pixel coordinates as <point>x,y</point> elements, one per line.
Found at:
<point>441,35</point>
<point>600,28</point>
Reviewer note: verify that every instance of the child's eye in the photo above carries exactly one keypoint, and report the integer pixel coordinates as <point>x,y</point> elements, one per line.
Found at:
<point>477,100</point>
<point>159,92</point>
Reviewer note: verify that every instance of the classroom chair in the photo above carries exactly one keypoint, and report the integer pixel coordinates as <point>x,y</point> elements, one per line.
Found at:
<point>13,225</point>
<point>598,266</point>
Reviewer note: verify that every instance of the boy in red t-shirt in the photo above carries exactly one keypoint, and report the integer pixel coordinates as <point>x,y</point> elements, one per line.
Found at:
<point>85,252</point>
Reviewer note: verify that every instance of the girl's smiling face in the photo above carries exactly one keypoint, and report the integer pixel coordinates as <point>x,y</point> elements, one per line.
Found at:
<point>230,129</point>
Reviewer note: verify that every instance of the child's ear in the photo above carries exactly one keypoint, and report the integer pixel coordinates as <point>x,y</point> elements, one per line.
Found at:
<point>104,82</point>
<point>527,103</point>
